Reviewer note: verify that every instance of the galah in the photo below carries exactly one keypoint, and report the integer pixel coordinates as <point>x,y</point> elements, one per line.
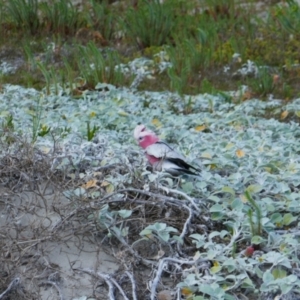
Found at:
<point>160,155</point>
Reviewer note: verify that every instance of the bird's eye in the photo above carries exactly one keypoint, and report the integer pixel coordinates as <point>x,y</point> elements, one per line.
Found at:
<point>140,138</point>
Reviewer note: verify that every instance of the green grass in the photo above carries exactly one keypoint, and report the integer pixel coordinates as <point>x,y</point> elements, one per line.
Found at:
<point>104,19</point>
<point>23,14</point>
<point>62,17</point>
<point>200,40</point>
<point>150,24</point>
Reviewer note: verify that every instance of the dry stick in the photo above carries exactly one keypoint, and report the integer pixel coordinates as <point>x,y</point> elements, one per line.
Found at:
<point>119,287</point>
<point>11,286</point>
<point>110,285</point>
<point>178,296</point>
<point>185,226</point>
<point>109,281</point>
<point>160,270</point>
<point>35,242</point>
<point>190,199</point>
<point>138,202</point>
<point>57,288</point>
<point>187,222</point>
<point>150,194</point>
<point>133,284</point>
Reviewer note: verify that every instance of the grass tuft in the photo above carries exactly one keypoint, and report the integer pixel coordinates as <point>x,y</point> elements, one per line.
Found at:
<point>24,14</point>
<point>61,17</point>
<point>150,24</point>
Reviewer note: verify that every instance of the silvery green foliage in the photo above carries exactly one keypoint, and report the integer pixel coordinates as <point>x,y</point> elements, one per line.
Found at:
<point>145,68</point>
<point>7,68</point>
<point>268,167</point>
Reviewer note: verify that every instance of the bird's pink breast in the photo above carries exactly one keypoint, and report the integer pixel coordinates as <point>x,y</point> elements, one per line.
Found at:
<point>152,159</point>
<point>148,141</point>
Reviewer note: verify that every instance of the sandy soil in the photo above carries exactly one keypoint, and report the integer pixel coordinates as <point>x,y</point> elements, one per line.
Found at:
<point>47,255</point>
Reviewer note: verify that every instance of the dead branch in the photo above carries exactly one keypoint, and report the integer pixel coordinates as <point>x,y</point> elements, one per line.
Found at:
<point>14,283</point>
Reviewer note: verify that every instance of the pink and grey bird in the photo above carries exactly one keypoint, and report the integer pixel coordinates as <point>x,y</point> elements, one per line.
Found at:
<point>160,155</point>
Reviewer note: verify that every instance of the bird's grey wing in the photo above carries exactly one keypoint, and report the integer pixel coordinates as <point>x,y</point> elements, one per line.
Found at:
<point>162,150</point>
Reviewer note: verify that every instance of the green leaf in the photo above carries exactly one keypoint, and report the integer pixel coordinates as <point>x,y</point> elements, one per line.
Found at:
<point>206,289</point>
<point>211,254</point>
<point>292,278</point>
<point>188,187</point>
<point>279,273</point>
<point>237,204</point>
<point>229,297</point>
<point>215,269</point>
<point>198,239</point>
<point>214,198</point>
<point>145,231</point>
<point>277,258</point>
<point>178,239</point>
<point>288,219</point>
<point>124,213</point>
<point>216,208</point>
<point>213,234</point>
<point>171,229</point>
<point>256,240</point>
<point>254,188</point>
<point>276,218</point>
<point>213,290</point>
<point>268,277</point>
<point>297,113</point>
<point>216,216</point>
<point>286,288</point>
<point>110,188</point>
<point>165,236</point>
<point>125,231</point>
<point>223,233</point>
<point>158,226</point>
<point>258,272</point>
<point>201,185</point>
<point>227,189</point>
<point>247,282</point>
<point>79,192</point>
<point>230,264</point>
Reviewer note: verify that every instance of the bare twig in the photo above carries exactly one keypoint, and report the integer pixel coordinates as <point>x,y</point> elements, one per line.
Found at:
<point>16,281</point>
<point>153,195</point>
<point>111,288</point>
<point>56,287</point>
<point>110,281</point>
<point>119,287</point>
<point>190,199</point>
<point>133,284</point>
<point>187,222</point>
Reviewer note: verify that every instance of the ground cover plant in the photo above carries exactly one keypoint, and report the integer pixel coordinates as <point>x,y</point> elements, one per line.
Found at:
<point>82,215</point>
